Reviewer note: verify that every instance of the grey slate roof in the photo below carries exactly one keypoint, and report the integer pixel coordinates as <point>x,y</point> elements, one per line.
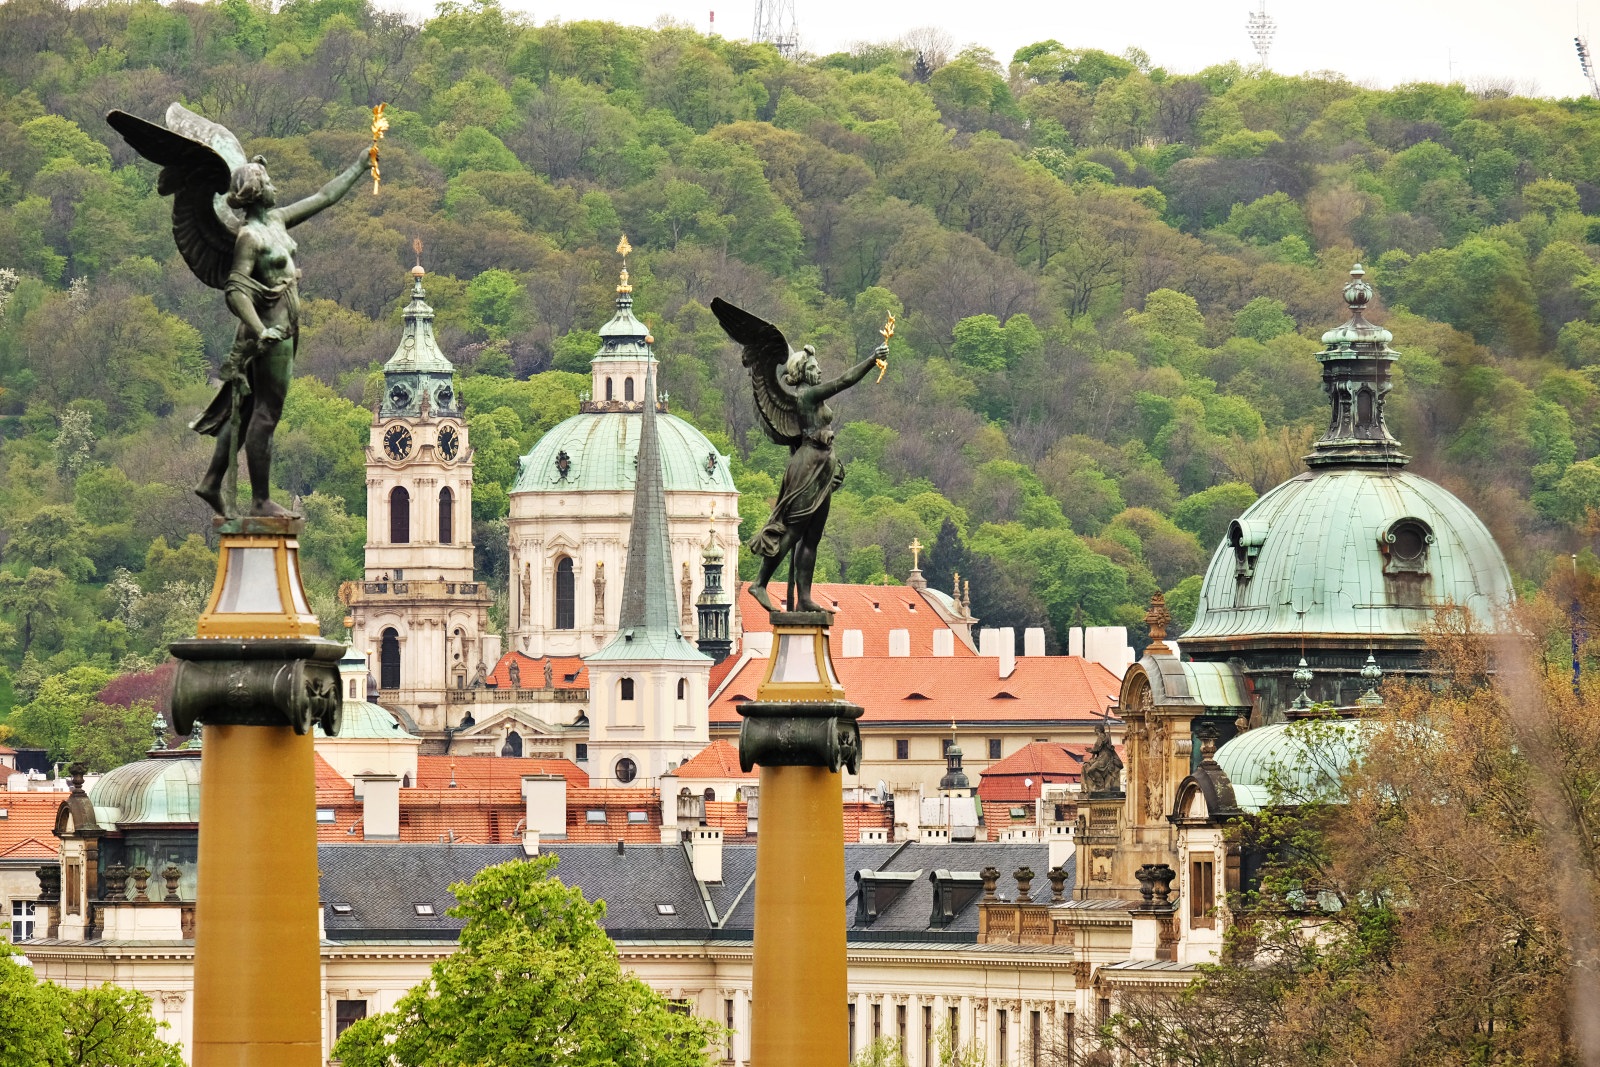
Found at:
<point>382,883</point>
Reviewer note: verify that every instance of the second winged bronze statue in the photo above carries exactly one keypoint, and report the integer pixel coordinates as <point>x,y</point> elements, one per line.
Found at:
<point>234,237</point>
<point>792,401</point>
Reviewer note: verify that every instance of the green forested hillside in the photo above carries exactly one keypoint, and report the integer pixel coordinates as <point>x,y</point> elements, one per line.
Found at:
<point>1110,280</point>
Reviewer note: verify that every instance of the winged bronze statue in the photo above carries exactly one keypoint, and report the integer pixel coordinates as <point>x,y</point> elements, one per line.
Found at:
<point>792,400</point>
<point>234,237</point>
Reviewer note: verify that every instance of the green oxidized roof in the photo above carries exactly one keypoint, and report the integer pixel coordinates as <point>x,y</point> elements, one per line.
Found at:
<point>366,720</point>
<point>602,450</point>
<point>1320,568</point>
<point>1293,762</point>
<point>163,790</point>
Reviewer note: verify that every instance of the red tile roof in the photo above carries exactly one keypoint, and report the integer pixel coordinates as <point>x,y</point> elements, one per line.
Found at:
<point>28,830</point>
<point>327,777</point>
<point>861,815</point>
<point>616,803</point>
<point>1007,781</point>
<point>732,815</point>
<point>872,609</point>
<point>719,759</point>
<point>941,689</point>
<point>566,672</point>
<point>492,772</point>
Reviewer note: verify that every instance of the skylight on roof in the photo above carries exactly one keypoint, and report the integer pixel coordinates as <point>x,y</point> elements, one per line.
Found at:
<point>327,815</point>
<point>595,815</point>
<point>638,816</point>
<point>666,909</point>
<point>425,910</point>
<point>341,909</point>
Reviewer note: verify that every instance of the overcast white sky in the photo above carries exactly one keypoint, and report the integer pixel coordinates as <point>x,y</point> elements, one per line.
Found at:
<point>1382,42</point>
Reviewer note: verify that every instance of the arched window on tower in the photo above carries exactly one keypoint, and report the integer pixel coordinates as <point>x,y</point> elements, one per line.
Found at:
<point>389,659</point>
<point>627,389</point>
<point>566,595</point>
<point>625,689</point>
<point>610,394</point>
<point>399,516</point>
<point>683,686</point>
<point>447,509</point>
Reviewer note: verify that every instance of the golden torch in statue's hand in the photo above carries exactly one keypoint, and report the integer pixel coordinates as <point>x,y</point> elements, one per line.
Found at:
<point>379,125</point>
<point>887,332</point>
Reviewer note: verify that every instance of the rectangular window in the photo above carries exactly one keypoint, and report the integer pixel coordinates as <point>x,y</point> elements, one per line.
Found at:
<point>851,1011</point>
<point>1034,1039</point>
<point>994,748</point>
<point>1103,1012</point>
<point>327,815</point>
<point>727,1020</point>
<point>944,746</point>
<point>955,1027</point>
<point>900,1026</point>
<point>1001,1035</point>
<point>1069,1036</point>
<point>902,748</point>
<point>927,1034</point>
<point>346,1012</point>
<point>583,752</point>
<point>1202,891</point>
<point>21,919</point>
<point>877,1021</point>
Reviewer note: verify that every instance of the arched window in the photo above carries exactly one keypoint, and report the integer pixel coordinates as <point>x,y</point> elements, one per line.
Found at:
<point>513,745</point>
<point>683,688</point>
<point>610,395</point>
<point>627,389</point>
<point>447,516</point>
<point>625,690</point>
<point>566,595</point>
<point>352,689</point>
<point>399,516</point>
<point>711,794</point>
<point>389,659</point>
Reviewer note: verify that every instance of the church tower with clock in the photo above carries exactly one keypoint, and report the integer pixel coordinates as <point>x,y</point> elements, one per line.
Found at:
<point>419,614</point>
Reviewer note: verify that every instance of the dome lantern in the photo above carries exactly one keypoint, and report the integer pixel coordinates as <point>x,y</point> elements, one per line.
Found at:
<point>1355,375</point>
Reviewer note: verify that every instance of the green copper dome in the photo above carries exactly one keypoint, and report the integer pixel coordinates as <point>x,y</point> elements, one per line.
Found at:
<point>1356,551</point>
<point>1293,762</point>
<point>364,720</point>
<point>601,450</point>
<point>165,790</point>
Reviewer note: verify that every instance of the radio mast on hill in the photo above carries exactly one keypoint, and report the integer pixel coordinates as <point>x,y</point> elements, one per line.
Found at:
<point>1586,61</point>
<point>1260,27</point>
<point>777,25</point>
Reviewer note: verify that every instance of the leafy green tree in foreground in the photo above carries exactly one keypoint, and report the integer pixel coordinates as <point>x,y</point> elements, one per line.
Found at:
<point>45,1025</point>
<point>535,981</point>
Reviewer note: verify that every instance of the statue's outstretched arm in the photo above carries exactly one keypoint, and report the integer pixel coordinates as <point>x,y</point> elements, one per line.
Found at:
<point>328,195</point>
<point>851,376</point>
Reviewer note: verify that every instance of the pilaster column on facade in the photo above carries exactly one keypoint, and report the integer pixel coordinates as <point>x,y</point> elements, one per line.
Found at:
<point>911,1048</point>
<point>863,1023</point>
<point>741,1024</point>
<point>966,1023</point>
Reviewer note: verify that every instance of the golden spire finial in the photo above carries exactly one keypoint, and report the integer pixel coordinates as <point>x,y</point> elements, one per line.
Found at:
<point>916,547</point>
<point>623,248</point>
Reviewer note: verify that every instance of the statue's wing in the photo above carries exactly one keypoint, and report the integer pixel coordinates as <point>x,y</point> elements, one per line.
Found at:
<point>765,351</point>
<point>195,174</point>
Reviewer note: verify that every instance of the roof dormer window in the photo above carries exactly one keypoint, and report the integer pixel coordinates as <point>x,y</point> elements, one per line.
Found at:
<point>1405,546</point>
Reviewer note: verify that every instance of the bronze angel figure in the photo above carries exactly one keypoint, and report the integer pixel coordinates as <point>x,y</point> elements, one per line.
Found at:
<point>234,237</point>
<point>792,400</point>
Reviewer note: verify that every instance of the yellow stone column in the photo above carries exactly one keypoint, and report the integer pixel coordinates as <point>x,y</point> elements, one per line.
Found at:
<point>800,730</point>
<point>257,677</point>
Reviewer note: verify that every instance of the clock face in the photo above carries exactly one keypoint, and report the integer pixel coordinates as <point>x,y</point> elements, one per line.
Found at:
<point>449,442</point>
<point>397,442</point>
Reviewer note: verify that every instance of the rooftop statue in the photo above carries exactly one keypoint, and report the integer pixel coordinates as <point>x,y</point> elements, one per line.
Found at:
<point>234,237</point>
<point>792,400</point>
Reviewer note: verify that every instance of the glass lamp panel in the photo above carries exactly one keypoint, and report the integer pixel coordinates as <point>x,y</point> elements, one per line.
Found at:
<point>251,587</point>
<point>297,591</point>
<point>797,659</point>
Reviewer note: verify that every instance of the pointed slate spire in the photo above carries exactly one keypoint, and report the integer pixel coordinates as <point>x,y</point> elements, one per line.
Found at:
<point>649,626</point>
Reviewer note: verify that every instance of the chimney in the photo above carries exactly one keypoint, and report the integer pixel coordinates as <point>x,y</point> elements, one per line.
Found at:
<point>988,641</point>
<point>944,642</point>
<point>1007,651</point>
<point>1033,641</point>
<point>490,644</point>
<point>530,842</point>
<point>1075,641</point>
<point>705,853</point>
<point>900,643</point>
<point>380,806</point>
<point>546,798</point>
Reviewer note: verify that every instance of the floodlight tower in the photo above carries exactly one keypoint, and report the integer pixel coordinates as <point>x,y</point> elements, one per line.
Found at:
<point>1586,61</point>
<point>1261,28</point>
<point>777,25</point>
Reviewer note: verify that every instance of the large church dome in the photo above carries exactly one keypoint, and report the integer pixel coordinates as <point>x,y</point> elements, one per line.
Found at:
<point>1356,552</point>
<point>597,451</point>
